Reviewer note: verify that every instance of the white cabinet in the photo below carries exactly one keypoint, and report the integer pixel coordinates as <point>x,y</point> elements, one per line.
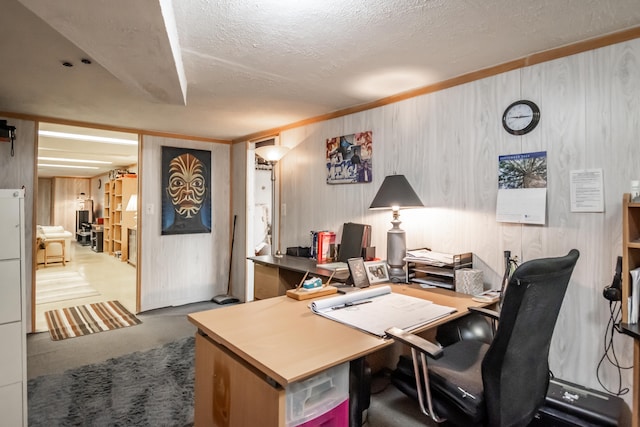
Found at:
<point>13,333</point>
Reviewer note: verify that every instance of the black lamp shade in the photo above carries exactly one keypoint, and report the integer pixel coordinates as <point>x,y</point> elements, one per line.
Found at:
<point>396,191</point>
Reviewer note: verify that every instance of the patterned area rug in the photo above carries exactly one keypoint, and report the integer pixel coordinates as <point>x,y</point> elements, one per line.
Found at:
<point>88,319</point>
<point>61,286</point>
<point>150,388</point>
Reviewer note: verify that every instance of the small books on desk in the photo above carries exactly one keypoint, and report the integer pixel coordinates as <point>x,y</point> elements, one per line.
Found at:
<point>376,309</point>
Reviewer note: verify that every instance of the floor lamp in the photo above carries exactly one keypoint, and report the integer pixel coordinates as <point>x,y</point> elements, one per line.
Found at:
<point>395,193</point>
<point>273,154</point>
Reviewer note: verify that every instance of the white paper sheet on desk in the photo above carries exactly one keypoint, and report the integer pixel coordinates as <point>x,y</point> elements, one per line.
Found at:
<point>385,310</point>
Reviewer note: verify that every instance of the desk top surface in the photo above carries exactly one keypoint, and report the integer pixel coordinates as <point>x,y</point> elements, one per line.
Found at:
<point>299,264</point>
<point>284,339</point>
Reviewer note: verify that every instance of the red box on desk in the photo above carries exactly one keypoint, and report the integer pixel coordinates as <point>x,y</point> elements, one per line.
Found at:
<point>326,241</point>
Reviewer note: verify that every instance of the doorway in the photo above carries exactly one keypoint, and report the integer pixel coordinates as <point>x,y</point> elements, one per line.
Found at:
<point>79,245</point>
<point>260,226</point>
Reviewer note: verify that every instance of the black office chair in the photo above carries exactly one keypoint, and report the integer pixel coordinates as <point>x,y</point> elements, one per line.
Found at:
<point>471,383</point>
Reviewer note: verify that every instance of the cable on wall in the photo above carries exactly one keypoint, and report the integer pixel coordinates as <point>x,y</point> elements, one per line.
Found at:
<point>8,134</point>
<point>609,355</point>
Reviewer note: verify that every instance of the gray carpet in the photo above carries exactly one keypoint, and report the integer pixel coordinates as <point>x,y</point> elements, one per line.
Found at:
<point>150,388</point>
<point>56,371</point>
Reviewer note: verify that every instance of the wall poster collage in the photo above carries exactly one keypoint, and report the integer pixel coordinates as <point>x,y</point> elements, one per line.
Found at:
<point>348,158</point>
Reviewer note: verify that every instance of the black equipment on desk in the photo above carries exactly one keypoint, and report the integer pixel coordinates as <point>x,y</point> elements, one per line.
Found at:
<point>300,251</point>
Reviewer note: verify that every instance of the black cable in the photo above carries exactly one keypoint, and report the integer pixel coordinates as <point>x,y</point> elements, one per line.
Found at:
<point>12,136</point>
<point>615,313</point>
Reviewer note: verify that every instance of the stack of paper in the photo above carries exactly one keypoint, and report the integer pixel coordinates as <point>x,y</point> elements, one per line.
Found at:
<point>426,256</point>
<point>377,309</point>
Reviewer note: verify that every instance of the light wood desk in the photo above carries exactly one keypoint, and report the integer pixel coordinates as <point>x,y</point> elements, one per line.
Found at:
<point>247,354</point>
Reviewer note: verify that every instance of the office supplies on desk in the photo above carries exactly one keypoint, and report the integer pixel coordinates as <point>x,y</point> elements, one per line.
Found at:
<point>302,293</point>
<point>350,304</point>
<point>492,295</point>
<point>386,309</point>
<point>435,268</point>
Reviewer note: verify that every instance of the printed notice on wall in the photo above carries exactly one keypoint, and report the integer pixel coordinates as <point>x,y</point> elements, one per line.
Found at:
<point>586,190</point>
<point>522,188</point>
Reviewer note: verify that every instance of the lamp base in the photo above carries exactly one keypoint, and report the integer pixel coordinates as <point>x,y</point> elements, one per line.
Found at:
<point>397,275</point>
<point>396,251</point>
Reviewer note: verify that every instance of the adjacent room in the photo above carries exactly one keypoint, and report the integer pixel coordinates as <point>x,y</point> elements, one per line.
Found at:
<point>77,261</point>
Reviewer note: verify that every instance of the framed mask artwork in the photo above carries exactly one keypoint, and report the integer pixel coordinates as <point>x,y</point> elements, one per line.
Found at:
<point>186,191</point>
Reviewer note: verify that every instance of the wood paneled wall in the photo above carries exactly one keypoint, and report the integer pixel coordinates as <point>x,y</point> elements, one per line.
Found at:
<point>447,143</point>
<point>239,202</point>
<point>180,269</point>
<point>44,205</point>
<point>65,200</point>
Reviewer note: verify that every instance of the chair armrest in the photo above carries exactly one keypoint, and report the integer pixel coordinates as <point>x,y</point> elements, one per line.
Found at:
<point>415,341</point>
<point>493,314</point>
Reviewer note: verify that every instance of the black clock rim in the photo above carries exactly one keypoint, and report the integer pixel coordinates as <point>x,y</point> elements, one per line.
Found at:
<point>534,121</point>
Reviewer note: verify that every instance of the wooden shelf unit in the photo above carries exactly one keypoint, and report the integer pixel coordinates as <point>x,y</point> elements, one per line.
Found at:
<point>631,260</point>
<point>106,226</point>
<point>119,219</point>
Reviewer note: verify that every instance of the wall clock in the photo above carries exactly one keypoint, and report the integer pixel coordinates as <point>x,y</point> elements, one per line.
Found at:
<point>521,117</point>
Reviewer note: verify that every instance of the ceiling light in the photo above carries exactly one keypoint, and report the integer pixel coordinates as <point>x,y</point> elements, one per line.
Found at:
<point>61,159</point>
<point>79,137</point>
<point>66,166</point>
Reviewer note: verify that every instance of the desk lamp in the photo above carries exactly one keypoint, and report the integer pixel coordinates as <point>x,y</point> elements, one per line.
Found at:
<point>273,154</point>
<point>395,193</point>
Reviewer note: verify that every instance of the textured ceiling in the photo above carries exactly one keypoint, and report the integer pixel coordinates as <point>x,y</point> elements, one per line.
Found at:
<point>226,69</point>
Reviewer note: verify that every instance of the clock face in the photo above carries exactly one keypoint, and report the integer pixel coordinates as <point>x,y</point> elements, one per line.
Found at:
<point>521,117</point>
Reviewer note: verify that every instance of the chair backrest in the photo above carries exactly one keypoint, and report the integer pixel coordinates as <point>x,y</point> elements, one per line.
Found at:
<point>515,370</point>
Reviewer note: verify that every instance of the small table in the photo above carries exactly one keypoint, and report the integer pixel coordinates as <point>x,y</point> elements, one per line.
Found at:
<point>54,258</point>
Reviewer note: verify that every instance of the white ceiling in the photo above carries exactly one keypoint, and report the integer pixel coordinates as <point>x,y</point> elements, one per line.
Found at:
<point>226,69</point>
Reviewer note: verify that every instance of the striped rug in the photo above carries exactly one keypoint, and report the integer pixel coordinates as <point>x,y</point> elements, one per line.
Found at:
<point>88,319</point>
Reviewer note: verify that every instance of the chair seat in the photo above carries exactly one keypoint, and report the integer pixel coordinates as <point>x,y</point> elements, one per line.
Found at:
<point>457,376</point>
